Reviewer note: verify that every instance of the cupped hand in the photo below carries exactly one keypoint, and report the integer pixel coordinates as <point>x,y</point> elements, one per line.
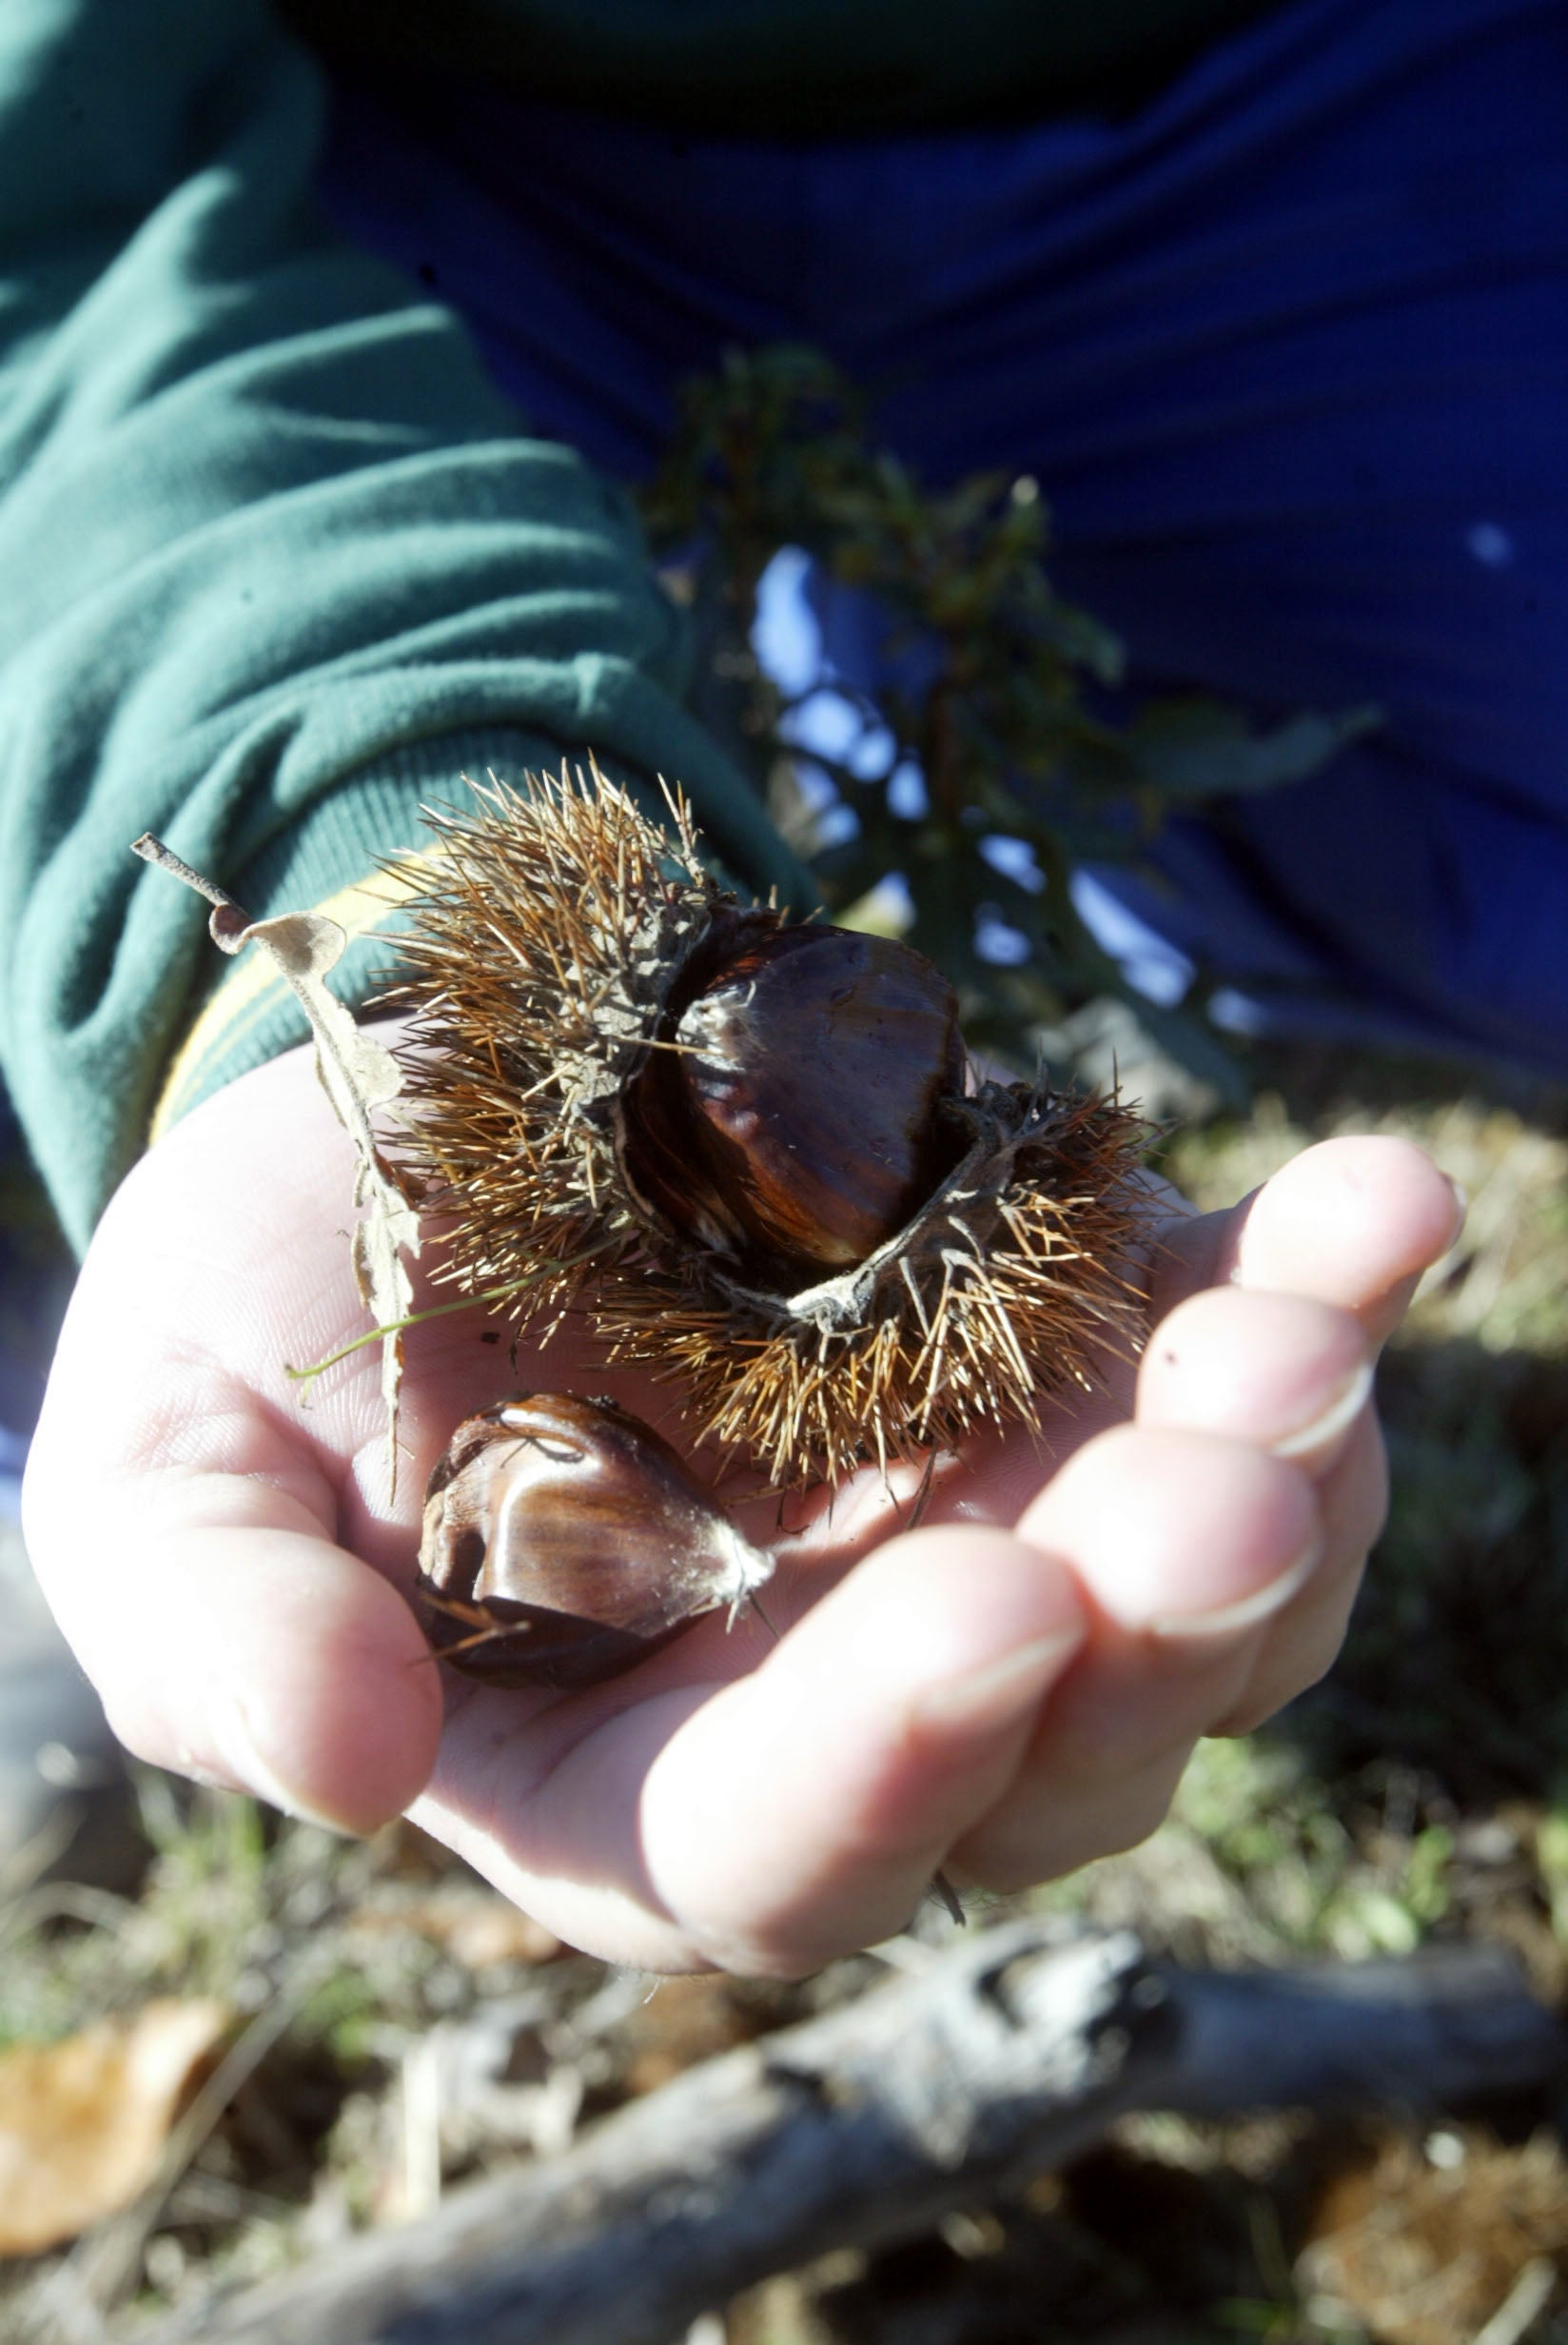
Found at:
<point>1005,1693</point>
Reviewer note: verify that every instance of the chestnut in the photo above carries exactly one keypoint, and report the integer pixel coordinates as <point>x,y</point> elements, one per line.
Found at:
<point>563,1541</point>
<point>797,1116</point>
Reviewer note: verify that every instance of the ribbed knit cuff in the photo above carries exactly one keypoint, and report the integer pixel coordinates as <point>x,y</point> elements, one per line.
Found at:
<point>334,861</point>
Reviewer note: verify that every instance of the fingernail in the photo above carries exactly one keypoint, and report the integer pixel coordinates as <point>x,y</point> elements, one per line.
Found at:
<point>234,1735</point>
<point>1000,1691</point>
<point>1234,1620</point>
<point>1341,1411</point>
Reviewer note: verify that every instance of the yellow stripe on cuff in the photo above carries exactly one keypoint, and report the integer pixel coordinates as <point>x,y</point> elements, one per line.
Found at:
<point>252,987</point>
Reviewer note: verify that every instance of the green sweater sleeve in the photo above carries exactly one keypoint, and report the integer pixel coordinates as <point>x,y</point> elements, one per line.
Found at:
<point>276,561</point>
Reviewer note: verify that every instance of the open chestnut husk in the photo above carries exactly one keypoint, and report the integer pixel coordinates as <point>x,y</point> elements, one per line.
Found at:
<point>563,1541</point>
<point>752,1152</point>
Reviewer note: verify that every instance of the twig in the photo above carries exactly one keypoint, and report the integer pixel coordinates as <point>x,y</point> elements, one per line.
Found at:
<point>1010,2053</point>
<point>1527,2298</point>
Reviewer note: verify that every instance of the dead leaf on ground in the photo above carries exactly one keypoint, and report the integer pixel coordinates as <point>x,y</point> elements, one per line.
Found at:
<point>1425,2249</point>
<point>82,2123</point>
<point>480,1931</point>
<point>686,2021</point>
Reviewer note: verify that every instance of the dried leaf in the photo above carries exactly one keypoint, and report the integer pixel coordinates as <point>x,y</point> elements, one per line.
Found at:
<point>82,2123</point>
<point>478,1928</point>
<point>359,1075</point>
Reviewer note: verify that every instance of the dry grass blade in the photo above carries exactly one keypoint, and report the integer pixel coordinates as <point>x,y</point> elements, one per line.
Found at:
<point>359,1075</point>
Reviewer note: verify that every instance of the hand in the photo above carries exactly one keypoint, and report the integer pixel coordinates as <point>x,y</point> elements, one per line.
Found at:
<point>1007,1693</point>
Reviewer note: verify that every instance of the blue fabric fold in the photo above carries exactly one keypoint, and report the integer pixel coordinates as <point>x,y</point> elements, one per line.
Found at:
<point>1288,353</point>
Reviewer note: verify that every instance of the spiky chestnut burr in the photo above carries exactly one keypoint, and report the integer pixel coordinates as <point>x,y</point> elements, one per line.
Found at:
<point>751,1152</point>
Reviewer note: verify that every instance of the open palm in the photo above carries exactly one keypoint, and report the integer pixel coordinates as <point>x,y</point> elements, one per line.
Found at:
<point>1008,1692</point>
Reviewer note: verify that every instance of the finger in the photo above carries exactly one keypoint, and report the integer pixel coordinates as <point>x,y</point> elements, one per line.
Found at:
<point>802,1811</point>
<point>266,1659</point>
<point>1294,1375</point>
<point>1179,1536</point>
<point>1352,1222</point>
<point>1106,1814</point>
<point>1303,1641</point>
<point>1288,1373</point>
<point>1186,1547</point>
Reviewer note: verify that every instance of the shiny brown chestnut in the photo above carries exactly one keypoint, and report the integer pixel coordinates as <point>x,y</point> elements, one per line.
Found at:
<point>795,1119</point>
<point>564,1541</point>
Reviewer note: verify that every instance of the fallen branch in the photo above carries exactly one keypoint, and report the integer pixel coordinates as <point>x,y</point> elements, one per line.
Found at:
<point>1008,2055</point>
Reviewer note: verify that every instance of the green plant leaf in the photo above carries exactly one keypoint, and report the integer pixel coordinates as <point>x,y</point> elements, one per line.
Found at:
<point>1195,748</point>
